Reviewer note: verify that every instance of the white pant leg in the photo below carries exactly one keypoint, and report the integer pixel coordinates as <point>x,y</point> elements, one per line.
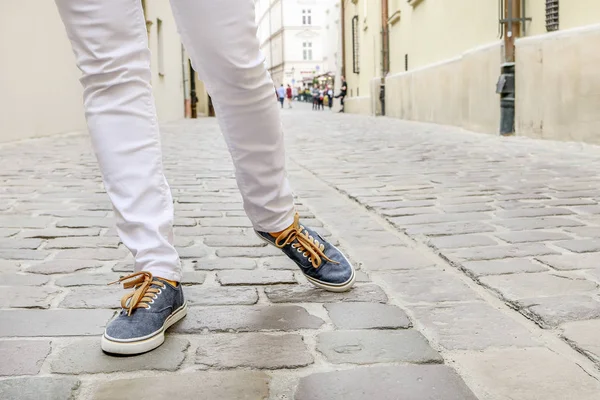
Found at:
<point>220,36</point>
<point>109,40</point>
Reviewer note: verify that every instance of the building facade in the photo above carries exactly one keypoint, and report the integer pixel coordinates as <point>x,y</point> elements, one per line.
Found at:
<point>40,93</point>
<point>292,38</point>
<point>440,61</point>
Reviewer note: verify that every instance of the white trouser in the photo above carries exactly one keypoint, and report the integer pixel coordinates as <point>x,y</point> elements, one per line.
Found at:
<point>110,43</point>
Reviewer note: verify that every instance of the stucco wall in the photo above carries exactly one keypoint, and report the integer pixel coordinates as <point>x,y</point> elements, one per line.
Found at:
<point>558,85</point>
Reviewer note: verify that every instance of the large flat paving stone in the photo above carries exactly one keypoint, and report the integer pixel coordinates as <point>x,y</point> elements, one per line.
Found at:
<point>522,286</point>
<point>310,294</point>
<point>501,267</point>
<point>225,263</point>
<point>501,252</point>
<point>94,297</point>
<point>26,297</point>
<point>377,258</point>
<point>234,385</point>
<point>247,319</point>
<point>16,279</point>
<point>430,286</point>
<point>550,312</point>
<point>569,262</point>
<point>252,350</point>
<point>53,388</point>
<point>376,346</point>
<point>32,323</point>
<point>584,336</point>
<point>63,266</point>
<point>405,382</point>
<point>526,374</point>
<point>367,316</point>
<point>215,296</point>
<point>242,277</point>
<point>22,357</point>
<point>84,356</point>
<point>472,326</point>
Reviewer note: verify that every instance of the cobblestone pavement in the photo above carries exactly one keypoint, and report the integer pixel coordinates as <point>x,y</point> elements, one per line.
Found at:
<point>478,276</point>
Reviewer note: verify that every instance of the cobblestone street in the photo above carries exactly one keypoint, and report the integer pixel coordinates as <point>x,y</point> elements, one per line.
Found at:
<point>479,275</point>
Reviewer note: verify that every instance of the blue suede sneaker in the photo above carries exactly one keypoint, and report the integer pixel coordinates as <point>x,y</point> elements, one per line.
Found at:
<point>146,313</point>
<point>321,262</point>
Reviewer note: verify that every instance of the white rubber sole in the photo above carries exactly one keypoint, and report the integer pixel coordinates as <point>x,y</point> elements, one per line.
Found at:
<point>330,287</point>
<point>149,343</point>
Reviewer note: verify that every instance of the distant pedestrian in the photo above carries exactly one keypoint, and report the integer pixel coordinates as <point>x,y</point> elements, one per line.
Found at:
<point>321,98</point>
<point>281,94</point>
<point>342,94</point>
<point>289,94</point>
<point>315,97</point>
<point>330,97</point>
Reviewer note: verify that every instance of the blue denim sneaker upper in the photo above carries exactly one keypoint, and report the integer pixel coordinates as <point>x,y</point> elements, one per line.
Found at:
<point>317,258</point>
<point>145,310</point>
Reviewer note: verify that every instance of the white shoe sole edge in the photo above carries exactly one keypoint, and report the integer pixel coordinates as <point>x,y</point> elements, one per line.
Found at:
<point>145,345</point>
<point>339,288</point>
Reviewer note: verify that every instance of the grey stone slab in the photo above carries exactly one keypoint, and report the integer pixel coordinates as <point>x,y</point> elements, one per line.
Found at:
<point>17,279</point>
<point>569,262</point>
<point>34,323</point>
<point>254,252</point>
<point>247,319</point>
<point>24,221</point>
<point>310,294</point>
<point>51,233</point>
<point>82,242</point>
<point>193,278</point>
<point>11,266</point>
<point>279,263</point>
<point>26,297</point>
<point>531,236</point>
<point>501,267</point>
<point>238,385</point>
<point>89,222</point>
<point>523,286</point>
<point>509,373</point>
<point>246,240</point>
<point>459,208</point>
<point>198,213</point>
<point>583,336</point>
<point>23,254</point>
<point>461,241</point>
<point>369,347</point>
<point>244,277</point>
<point>533,212</point>
<point>86,279</point>
<point>53,388</point>
<point>225,263</point>
<point>405,382</point>
<point>22,357</point>
<point>62,266</point>
<point>452,228</point>
<point>214,296</point>
<point>590,209</point>
<point>227,222</point>
<point>207,231</point>
<point>407,211</point>
<point>181,221</point>
<point>84,356</point>
<point>367,316</point>
<point>252,350</point>
<point>8,232</point>
<point>99,254</point>
<point>93,297</point>
<point>428,219</point>
<point>18,243</point>
<point>471,326</point>
<point>523,224</point>
<point>504,251</point>
<point>580,245</point>
<point>428,286</point>
<point>392,258</point>
<point>585,231</point>
<point>549,312</point>
<point>192,252</point>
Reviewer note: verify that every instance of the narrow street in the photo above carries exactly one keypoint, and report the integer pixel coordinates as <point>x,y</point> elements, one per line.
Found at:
<point>479,263</point>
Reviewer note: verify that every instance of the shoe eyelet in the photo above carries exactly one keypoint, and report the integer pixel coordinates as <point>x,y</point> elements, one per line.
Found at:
<point>151,302</point>
<point>149,307</point>
<point>298,250</point>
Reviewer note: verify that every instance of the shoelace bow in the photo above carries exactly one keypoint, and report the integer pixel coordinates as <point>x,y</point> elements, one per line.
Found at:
<point>306,244</point>
<point>144,293</point>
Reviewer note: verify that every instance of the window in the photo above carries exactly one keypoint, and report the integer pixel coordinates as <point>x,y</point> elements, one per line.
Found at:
<point>307,51</point>
<point>552,15</point>
<point>161,48</point>
<point>307,17</point>
<point>355,66</point>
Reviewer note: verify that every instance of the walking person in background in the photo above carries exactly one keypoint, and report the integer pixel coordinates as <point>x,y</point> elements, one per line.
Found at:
<point>289,94</point>
<point>330,97</point>
<point>281,94</point>
<point>321,98</point>
<point>342,94</point>
<point>315,97</point>
<point>110,43</point>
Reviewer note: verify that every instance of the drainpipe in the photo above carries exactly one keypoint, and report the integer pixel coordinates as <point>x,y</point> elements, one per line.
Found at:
<point>343,18</point>
<point>511,12</point>
<point>385,52</point>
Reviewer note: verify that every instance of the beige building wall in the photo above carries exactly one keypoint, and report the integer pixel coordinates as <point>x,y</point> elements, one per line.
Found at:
<point>40,93</point>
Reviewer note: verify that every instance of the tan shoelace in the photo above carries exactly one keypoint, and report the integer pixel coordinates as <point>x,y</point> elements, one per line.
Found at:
<point>144,294</point>
<point>307,245</point>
